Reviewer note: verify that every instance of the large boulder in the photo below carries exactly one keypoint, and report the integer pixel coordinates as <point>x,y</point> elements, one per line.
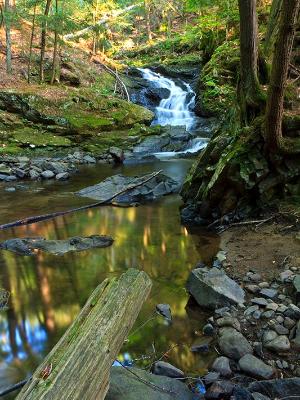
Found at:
<point>130,384</point>
<point>153,189</point>
<point>278,388</point>
<point>213,288</point>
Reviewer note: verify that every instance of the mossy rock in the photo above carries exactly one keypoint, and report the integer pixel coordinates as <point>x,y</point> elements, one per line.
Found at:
<point>24,137</point>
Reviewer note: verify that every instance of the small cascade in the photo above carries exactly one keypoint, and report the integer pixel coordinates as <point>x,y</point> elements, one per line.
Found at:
<point>176,110</point>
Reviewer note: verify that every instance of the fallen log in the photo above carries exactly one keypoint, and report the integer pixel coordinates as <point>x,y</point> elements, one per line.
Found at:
<point>79,365</point>
<point>38,218</point>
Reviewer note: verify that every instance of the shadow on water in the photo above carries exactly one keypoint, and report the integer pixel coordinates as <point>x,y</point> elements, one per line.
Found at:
<point>48,291</point>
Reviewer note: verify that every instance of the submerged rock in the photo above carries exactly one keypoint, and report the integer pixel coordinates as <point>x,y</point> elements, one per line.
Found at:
<point>213,288</point>
<point>29,246</point>
<point>155,188</point>
<point>130,384</point>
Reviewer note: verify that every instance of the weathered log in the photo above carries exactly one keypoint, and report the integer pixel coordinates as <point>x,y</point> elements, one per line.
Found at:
<point>78,367</point>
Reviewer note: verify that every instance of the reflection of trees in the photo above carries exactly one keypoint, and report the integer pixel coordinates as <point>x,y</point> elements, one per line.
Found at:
<point>51,289</point>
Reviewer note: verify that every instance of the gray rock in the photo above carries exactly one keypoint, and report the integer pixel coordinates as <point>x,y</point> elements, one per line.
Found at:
<point>142,193</point>
<point>125,385</point>
<point>296,341</point>
<point>264,285</point>
<point>64,176</point>
<point>213,288</point>
<point>268,336</point>
<point>219,390</point>
<point>20,173</point>
<point>250,310</point>
<point>289,323</point>
<point>259,396</point>
<point>211,377</point>
<point>292,311</point>
<point>28,246</point>
<point>252,288</point>
<point>55,166</point>
<point>286,275</point>
<point>255,367</point>
<point>233,344</point>
<point>166,369</point>
<point>34,174</point>
<point>280,329</point>
<point>260,301</point>
<point>229,321</point>
<point>279,344</point>
<point>208,330</point>
<point>117,154</point>
<point>268,293</point>
<point>48,174</point>
<point>277,388</point>
<point>268,314</point>
<point>272,306</point>
<point>165,311</point>
<point>296,284</point>
<point>8,178</point>
<point>281,308</point>
<point>89,159</point>
<point>10,189</point>
<point>222,366</point>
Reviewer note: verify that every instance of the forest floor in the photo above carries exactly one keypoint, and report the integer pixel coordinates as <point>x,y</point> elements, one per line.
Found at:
<point>264,250</point>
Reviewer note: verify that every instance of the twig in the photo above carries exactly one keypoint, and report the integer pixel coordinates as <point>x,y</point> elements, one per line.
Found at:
<point>14,387</point>
<point>44,217</point>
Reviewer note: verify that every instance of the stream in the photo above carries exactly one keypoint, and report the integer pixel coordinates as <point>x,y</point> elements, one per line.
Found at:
<point>47,291</point>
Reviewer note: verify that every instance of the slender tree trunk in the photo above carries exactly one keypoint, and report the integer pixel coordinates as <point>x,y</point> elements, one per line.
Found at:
<point>31,44</point>
<point>7,8</point>
<point>279,74</point>
<point>249,86</point>
<point>148,19</point>
<point>272,28</point>
<point>43,40</point>
<point>55,48</point>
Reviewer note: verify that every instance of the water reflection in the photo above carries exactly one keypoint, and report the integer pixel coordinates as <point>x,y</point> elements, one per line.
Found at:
<point>48,291</point>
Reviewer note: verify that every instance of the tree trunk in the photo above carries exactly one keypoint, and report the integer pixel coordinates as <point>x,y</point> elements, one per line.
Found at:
<point>78,367</point>
<point>272,28</point>
<point>7,9</point>
<point>55,48</point>
<point>250,94</point>
<point>43,39</point>
<point>279,74</point>
<point>148,19</point>
<point>31,44</point>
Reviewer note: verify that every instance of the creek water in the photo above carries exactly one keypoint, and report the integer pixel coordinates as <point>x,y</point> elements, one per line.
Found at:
<point>47,291</point>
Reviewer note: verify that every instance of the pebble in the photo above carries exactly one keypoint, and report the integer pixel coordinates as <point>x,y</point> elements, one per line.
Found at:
<point>289,323</point>
<point>286,275</point>
<point>222,366</point>
<point>252,288</point>
<point>268,314</point>
<point>268,293</point>
<point>264,285</point>
<point>281,330</point>
<point>229,321</point>
<point>208,330</point>
<point>260,301</point>
<point>272,306</point>
<point>250,310</point>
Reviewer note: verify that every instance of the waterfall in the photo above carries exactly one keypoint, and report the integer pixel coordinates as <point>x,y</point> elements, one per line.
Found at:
<point>176,110</point>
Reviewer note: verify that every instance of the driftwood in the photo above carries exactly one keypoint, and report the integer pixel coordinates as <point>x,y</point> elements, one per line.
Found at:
<point>102,21</point>
<point>44,217</point>
<point>79,365</point>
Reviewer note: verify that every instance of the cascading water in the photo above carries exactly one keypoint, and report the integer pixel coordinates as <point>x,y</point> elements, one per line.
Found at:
<point>176,110</point>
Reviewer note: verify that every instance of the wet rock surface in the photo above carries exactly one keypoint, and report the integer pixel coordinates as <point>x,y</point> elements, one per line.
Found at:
<point>30,246</point>
<point>130,384</point>
<point>155,188</point>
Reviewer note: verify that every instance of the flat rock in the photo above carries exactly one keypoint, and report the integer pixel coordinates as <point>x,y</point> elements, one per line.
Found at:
<point>212,288</point>
<point>255,367</point>
<point>233,344</point>
<point>166,369</point>
<point>125,385</point>
<point>29,246</point>
<point>277,388</point>
<point>268,293</point>
<point>260,301</point>
<point>155,188</point>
